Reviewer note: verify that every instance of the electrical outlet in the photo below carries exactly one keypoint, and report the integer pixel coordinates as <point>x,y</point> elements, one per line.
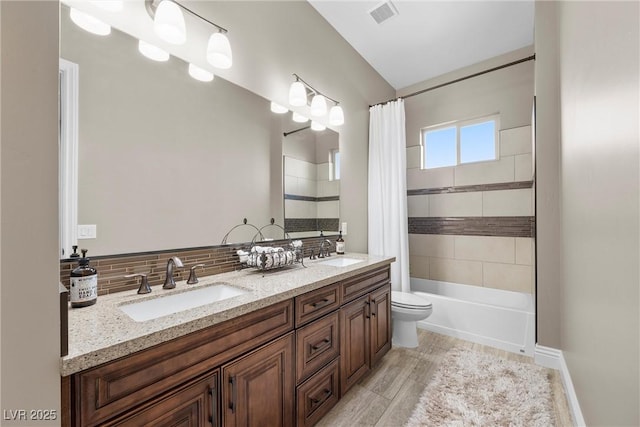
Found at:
<point>344,228</point>
<point>87,231</point>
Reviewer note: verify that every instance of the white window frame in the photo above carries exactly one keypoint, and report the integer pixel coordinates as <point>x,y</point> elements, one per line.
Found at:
<point>68,157</point>
<point>460,124</point>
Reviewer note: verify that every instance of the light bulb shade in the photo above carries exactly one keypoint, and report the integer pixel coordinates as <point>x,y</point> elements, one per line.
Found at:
<point>152,52</point>
<point>318,106</point>
<point>299,118</point>
<point>168,23</point>
<point>89,23</point>
<point>317,126</point>
<point>277,108</point>
<point>297,94</point>
<point>336,116</point>
<point>109,5</point>
<point>200,73</point>
<point>219,51</point>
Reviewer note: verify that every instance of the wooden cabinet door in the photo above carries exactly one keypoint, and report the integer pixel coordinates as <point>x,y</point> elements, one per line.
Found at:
<point>380,323</point>
<point>258,389</point>
<point>194,404</point>
<point>354,342</point>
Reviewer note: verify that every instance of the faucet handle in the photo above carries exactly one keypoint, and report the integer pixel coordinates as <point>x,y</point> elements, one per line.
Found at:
<point>144,284</point>
<point>193,279</point>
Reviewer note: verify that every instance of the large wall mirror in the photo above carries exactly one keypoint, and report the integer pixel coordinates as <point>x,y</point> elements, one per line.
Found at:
<point>166,161</point>
<point>311,181</point>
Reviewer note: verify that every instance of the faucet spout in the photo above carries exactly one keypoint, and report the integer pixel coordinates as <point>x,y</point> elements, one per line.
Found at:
<point>169,281</point>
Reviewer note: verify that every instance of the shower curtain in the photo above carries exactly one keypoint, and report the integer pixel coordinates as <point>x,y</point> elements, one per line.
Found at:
<point>388,230</point>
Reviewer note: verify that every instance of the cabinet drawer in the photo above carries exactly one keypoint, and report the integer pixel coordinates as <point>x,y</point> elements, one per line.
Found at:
<point>316,344</point>
<point>359,285</point>
<point>108,390</point>
<point>316,304</point>
<point>318,394</point>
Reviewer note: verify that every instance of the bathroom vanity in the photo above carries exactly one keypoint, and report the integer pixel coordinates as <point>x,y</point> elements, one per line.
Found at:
<point>281,353</point>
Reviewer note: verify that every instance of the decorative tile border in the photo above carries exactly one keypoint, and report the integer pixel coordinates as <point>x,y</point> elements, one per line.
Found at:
<point>217,259</point>
<point>503,226</point>
<point>469,188</point>
<point>295,225</point>
<point>310,198</point>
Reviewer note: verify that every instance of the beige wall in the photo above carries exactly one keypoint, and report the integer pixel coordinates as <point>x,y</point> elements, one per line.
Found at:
<point>490,261</point>
<point>29,229</point>
<point>599,104</point>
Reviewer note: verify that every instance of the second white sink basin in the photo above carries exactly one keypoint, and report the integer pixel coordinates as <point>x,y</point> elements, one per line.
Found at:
<point>340,261</point>
<point>174,303</point>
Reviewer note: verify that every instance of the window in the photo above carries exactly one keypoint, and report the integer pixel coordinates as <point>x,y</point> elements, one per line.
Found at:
<point>334,165</point>
<point>460,142</point>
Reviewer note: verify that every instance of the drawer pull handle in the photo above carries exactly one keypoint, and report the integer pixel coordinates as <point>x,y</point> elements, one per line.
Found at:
<point>213,397</point>
<point>323,343</point>
<point>324,397</point>
<point>320,304</point>
<point>232,402</point>
<point>367,313</point>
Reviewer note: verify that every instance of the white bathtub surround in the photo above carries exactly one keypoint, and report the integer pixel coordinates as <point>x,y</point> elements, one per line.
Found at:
<point>474,388</point>
<point>501,319</point>
<point>387,228</point>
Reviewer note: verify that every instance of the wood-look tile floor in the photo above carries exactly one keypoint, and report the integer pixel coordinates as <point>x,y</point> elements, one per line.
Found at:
<point>387,395</point>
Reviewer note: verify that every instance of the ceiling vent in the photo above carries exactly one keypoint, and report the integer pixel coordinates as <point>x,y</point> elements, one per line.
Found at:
<point>383,12</point>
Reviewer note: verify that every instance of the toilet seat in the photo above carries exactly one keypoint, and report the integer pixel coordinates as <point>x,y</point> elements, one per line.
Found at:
<point>409,301</point>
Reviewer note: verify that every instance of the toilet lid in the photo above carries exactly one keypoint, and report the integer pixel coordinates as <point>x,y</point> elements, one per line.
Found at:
<point>408,300</point>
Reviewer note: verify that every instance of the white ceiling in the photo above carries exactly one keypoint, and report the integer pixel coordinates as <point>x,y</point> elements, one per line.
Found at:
<point>430,38</point>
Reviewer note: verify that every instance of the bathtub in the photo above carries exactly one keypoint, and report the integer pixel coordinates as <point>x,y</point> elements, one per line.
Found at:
<point>501,319</point>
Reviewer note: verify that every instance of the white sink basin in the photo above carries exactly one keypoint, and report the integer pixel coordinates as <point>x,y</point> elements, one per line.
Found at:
<point>174,303</point>
<point>340,261</point>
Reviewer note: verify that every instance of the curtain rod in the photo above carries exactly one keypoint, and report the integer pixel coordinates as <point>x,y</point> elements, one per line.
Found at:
<point>519,61</point>
<point>294,131</point>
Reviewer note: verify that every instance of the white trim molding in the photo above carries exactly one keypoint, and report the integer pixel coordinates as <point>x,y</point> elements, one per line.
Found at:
<point>68,156</point>
<point>554,359</point>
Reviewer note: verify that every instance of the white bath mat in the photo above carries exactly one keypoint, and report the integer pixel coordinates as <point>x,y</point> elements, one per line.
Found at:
<point>476,389</point>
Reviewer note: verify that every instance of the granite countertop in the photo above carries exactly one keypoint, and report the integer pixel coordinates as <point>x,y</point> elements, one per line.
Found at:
<point>102,332</point>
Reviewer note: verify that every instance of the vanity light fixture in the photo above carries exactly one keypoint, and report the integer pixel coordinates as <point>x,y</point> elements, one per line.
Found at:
<point>277,108</point>
<point>317,126</point>
<point>299,118</point>
<point>89,23</point>
<point>318,105</point>
<point>298,97</point>
<point>336,116</point>
<point>168,23</point>
<point>152,51</point>
<point>200,73</point>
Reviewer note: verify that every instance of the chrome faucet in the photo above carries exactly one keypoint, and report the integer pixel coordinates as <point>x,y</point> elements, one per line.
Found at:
<point>325,252</point>
<point>169,281</point>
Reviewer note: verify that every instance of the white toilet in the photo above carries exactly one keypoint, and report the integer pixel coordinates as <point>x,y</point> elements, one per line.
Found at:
<point>406,310</point>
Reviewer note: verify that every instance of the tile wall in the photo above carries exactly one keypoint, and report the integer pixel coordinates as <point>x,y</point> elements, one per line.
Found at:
<point>475,223</point>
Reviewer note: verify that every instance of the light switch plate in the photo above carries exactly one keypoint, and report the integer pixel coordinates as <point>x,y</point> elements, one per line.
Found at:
<point>87,231</point>
<point>344,228</point>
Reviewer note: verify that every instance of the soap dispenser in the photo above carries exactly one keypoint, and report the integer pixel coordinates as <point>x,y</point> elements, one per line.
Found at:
<point>340,244</point>
<point>84,283</point>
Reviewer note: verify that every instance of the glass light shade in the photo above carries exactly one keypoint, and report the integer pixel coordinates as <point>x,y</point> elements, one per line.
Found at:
<point>109,5</point>
<point>219,51</point>
<point>277,108</point>
<point>89,23</point>
<point>299,118</point>
<point>200,73</point>
<point>152,52</point>
<point>317,126</point>
<point>297,94</point>
<point>336,116</point>
<point>318,106</point>
<point>168,23</point>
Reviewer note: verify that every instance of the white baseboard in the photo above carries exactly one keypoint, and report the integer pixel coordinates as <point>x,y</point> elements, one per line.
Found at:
<point>554,359</point>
